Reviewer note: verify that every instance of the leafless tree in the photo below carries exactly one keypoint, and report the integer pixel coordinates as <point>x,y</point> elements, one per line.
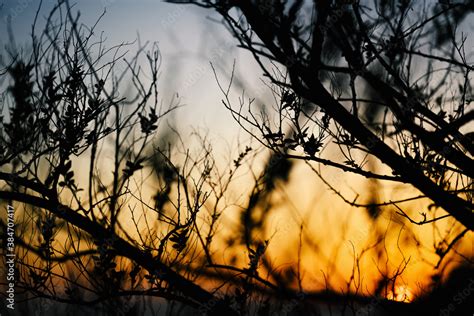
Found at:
<point>386,84</point>
<point>78,150</point>
<point>382,79</point>
<point>106,210</point>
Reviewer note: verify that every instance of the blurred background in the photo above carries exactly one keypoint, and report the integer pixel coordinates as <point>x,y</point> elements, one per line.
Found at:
<point>311,231</point>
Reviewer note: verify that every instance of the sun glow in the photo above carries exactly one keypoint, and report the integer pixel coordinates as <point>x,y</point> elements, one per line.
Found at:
<point>401,293</point>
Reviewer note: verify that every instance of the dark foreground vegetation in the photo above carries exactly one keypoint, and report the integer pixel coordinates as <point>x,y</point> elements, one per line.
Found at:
<point>116,215</point>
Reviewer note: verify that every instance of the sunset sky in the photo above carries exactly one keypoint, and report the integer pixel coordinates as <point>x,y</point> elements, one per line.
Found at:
<point>189,38</point>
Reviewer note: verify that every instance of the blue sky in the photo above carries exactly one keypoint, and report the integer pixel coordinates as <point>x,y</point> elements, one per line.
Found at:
<point>187,38</point>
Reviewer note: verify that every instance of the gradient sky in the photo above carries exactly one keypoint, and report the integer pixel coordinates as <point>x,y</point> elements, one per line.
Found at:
<point>187,37</point>
<point>188,41</point>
